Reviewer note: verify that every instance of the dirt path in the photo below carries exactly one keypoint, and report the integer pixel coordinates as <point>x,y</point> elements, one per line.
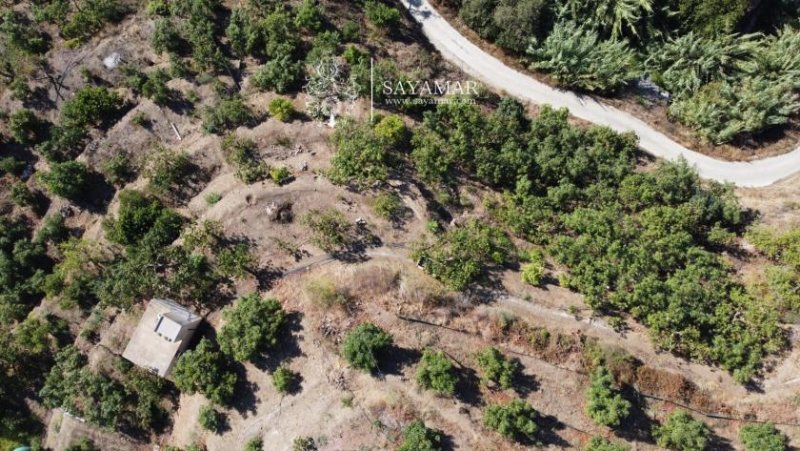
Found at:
<point>491,71</point>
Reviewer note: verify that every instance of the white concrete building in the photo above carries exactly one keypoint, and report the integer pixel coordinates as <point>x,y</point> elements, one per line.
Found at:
<point>164,331</point>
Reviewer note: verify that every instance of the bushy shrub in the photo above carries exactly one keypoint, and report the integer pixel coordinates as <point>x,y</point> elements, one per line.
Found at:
<point>515,420</point>
<point>10,165</point>
<point>381,15</point>
<point>361,158</point>
<point>533,271</point>
<point>211,419</point>
<point>284,379</point>
<point>69,179</point>
<point>762,437</point>
<point>603,404</point>
<point>64,143</point>
<point>254,444</point>
<point>281,109</point>
<point>26,128</point>
<point>497,369</point>
<point>389,206</point>
<point>436,372</point>
<point>227,114</point>
<point>142,219</point>
<point>681,432</point>
<point>309,15</point>
<point>118,170</point>
<point>280,175</point>
<point>418,437</point>
<point>167,170</point>
<point>601,444</point>
<point>90,105</point>
<point>364,344</point>
<point>251,327</point>
<point>204,369</point>
<point>280,75</point>
<point>242,153</point>
<point>330,230</point>
<point>465,254</point>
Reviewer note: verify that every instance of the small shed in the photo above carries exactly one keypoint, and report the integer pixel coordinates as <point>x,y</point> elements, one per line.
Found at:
<point>164,331</point>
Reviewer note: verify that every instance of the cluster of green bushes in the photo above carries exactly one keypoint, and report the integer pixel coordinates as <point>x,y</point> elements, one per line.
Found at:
<point>722,84</point>
<point>642,243</point>
<point>152,85</point>
<point>79,19</point>
<point>149,263</point>
<point>129,403</point>
<point>23,266</point>
<point>364,153</point>
<point>189,27</point>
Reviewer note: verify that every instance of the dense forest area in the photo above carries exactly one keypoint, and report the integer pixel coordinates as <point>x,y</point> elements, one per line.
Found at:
<point>730,68</point>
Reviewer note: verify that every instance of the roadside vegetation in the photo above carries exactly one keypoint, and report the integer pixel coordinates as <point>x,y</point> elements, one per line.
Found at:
<point>727,69</point>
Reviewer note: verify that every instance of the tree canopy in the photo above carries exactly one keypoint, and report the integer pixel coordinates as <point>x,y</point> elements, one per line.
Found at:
<point>250,327</point>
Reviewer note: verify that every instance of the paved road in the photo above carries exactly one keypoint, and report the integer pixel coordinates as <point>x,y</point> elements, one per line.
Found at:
<point>491,71</point>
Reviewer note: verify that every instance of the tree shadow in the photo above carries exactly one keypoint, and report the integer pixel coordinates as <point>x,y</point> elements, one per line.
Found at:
<point>244,398</point>
<point>638,426</point>
<point>717,443</point>
<point>525,384</point>
<point>355,251</point>
<point>99,195</point>
<point>395,359</point>
<point>548,425</point>
<point>288,346</point>
<point>267,275</point>
<point>468,387</point>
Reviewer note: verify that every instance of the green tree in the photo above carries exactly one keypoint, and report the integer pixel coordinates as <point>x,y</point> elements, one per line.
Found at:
<point>69,179</point>
<point>602,444</point>
<point>382,16</point>
<point>254,444</point>
<point>26,128</point>
<point>284,379</point>
<point>604,405</point>
<point>142,218</point>
<point>389,206</point>
<point>575,56</point>
<point>243,154</point>
<point>418,437</point>
<point>309,15</point>
<point>64,143</point>
<point>280,74</point>
<point>331,231</point>
<point>497,369</point>
<point>361,158</point>
<point>465,254</point>
<point>436,372</point>
<point>251,327</point>
<point>211,419</point>
<point>762,437</point>
<point>204,369</point>
<point>167,171</point>
<point>364,344</point>
<point>227,114</point>
<point>84,444</point>
<point>681,432</point>
<point>282,109</point>
<point>90,105</point>
<point>515,420</point>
